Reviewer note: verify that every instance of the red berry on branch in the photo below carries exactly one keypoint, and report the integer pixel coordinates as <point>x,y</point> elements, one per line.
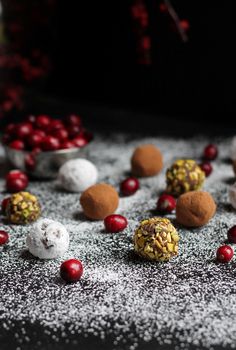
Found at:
<point>50,143</point>
<point>10,129</point>
<point>224,254</point>
<point>207,168</point>
<point>4,237</point>
<point>17,144</point>
<point>166,204</point>
<point>71,270</point>
<point>16,181</point>
<point>129,186</point>
<point>210,152</point>
<point>232,234</point>
<point>115,223</point>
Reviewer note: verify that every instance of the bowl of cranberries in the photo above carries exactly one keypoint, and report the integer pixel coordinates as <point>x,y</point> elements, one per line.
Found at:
<point>40,144</point>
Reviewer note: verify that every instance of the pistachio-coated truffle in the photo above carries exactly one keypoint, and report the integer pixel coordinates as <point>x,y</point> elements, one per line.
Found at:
<point>195,209</point>
<point>99,201</point>
<point>146,161</point>
<point>23,208</point>
<point>184,176</point>
<point>156,239</point>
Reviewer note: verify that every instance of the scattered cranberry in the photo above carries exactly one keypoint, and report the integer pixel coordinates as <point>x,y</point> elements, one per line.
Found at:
<point>4,237</point>
<point>23,130</point>
<point>115,223</point>
<point>129,186</point>
<point>43,122</point>
<point>4,204</point>
<point>67,144</point>
<point>166,204</point>
<point>224,254</point>
<point>17,144</point>
<point>210,152</point>
<point>207,168</point>
<point>80,141</point>
<point>232,234</point>
<point>61,134</point>
<point>16,181</point>
<point>50,143</point>
<point>73,119</point>
<point>73,130</point>
<point>71,270</point>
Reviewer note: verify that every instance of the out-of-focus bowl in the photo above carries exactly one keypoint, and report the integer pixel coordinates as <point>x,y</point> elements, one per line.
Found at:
<point>44,164</point>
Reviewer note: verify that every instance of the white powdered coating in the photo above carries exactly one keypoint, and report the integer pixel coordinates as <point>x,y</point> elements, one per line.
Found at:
<point>47,239</point>
<point>76,175</point>
<point>189,301</point>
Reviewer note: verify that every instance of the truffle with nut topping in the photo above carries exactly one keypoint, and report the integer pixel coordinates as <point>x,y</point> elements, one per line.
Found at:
<point>156,239</point>
<point>195,209</point>
<point>99,201</point>
<point>146,161</point>
<point>23,208</point>
<point>184,176</point>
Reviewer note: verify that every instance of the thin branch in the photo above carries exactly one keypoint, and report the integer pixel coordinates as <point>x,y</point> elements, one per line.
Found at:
<point>173,14</point>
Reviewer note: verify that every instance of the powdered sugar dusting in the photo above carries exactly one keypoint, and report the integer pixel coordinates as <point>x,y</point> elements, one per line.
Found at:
<point>189,301</point>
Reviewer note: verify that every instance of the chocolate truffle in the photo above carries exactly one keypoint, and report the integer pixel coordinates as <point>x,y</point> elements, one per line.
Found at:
<point>194,209</point>
<point>184,176</point>
<point>99,201</point>
<point>146,161</point>
<point>23,208</point>
<point>156,239</point>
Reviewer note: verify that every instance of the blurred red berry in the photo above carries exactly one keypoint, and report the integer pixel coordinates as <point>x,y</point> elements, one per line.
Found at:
<point>67,144</point>
<point>50,143</point>
<point>207,168</point>
<point>23,130</point>
<point>60,134</point>
<point>80,141</point>
<point>73,119</point>
<point>17,144</point>
<point>43,122</point>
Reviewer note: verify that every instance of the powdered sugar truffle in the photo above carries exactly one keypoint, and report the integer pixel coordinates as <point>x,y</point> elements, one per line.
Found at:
<point>76,175</point>
<point>48,239</point>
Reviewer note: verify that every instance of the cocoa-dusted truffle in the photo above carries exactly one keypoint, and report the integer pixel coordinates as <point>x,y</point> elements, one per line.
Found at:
<point>99,201</point>
<point>184,176</point>
<point>146,161</point>
<point>195,208</point>
<point>156,239</point>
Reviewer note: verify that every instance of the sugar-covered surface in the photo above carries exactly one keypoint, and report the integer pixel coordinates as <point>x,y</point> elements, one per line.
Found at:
<point>122,302</point>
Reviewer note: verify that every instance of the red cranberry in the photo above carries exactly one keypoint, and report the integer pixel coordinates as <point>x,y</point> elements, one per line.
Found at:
<point>73,119</point>
<point>80,141</point>
<point>207,168</point>
<point>36,150</point>
<point>31,119</point>
<point>74,130</point>
<point>16,181</point>
<point>60,134</point>
<point>36,138</point>
<point>50,143</point>
<point>17,144</point>
<point>224,254</point>
<point>43,122</point>
<point>166,204</point>
<point>129,186</point>
<point>232,234</point>
<point>56,124</point>
<point>210,152</point>
<point>71,270</point>
<point>24,130</point>
<point>4,237</point>
<point>67,144</point>
<point>10,129</point>
<point>115,223</point>
<point>30,162</point>
<point>4,204</point>
<point>184,23</point>
<point>162,7</point>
